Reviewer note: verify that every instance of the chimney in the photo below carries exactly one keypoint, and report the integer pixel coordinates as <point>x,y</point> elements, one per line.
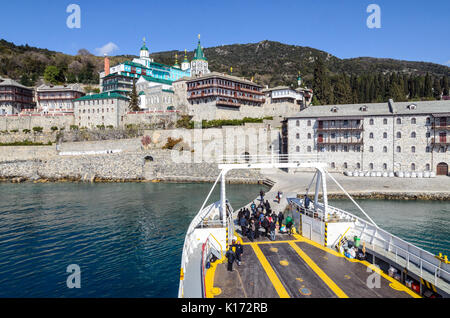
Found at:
<point>106,65</point>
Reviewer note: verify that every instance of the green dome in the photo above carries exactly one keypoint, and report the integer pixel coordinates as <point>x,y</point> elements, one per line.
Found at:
<point>199,55</point>
<point>144,48</point>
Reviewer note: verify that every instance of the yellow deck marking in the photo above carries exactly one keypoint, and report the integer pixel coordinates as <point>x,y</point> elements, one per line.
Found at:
<point>274,249</point>
<point>212,291</point>
<point>284,262</point>
<point>270,272</point>
<point>327,280</point>
<point>271,242</point>
<point>365,263</point>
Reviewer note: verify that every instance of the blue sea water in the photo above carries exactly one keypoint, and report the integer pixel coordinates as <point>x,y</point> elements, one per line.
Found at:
<point>127,238</point>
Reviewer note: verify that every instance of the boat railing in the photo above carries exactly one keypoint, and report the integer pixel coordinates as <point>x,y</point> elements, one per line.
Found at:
<point>395,247</point>
<point>378,238</point>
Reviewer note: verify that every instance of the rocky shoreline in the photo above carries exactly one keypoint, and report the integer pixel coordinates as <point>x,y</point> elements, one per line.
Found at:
<point>374,195</point>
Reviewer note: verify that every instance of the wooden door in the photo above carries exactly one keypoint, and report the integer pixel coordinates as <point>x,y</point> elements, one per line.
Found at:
<point>442,169</point>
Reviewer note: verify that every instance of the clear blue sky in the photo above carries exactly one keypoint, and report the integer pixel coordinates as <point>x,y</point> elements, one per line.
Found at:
<point>410,30</point>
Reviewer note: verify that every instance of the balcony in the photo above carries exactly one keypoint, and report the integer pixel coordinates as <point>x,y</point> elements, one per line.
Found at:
<point>440,126</point>
<point>335,128</point>
<point>226,103</point>
<point>335,141</point>
<point>440,141</point>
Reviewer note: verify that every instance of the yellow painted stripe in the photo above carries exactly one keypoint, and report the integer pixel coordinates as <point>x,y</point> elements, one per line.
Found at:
<point>270,242</point>
<point>365,263</point>
<point>270,272</point>
<point>327,280</point>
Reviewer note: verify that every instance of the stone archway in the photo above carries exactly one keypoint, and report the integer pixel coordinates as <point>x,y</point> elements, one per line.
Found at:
<point>442,169</point>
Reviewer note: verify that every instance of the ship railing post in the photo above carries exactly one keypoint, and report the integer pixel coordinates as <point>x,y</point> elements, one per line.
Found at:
<point>421,268</point>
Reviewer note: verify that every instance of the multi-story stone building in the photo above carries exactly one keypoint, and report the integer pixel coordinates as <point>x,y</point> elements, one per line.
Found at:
<point>15,97</point>
<point>104,109</point>
<point>223,90</point>
<point>380,137</point>
<point>57,99</point>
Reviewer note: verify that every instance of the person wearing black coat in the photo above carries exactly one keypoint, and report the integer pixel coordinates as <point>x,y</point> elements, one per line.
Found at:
<point>244,225</point>
<point>272,230</point>
<point>280,219</point>
<point>265,224</point>
<point>247,214</point>
<point>231,256</point>
<point>239,250</point>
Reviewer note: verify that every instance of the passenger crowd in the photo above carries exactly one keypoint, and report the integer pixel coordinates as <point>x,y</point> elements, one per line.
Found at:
<point>258,221</point>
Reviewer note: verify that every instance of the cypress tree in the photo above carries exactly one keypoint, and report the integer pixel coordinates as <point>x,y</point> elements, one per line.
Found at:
<point>437,88</point>
<point>427,89</point>
<point>134,99</point>
<point>445,86</point>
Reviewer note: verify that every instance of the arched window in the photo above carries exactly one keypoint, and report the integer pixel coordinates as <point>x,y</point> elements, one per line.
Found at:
<point>371,166</point>
<point>297,148</point>
<point>399,121</point>
<point>427,149</point>
<point>371,121</point>
<point>413,167</point>
<point>399,149</point>
<point>297,135</point>
<point>309,136</point>
<point>371,135</point>
<point>384,166</point>
<point>358,165</point>
<point>384,149</point>
<point>385,121</point>
<point>399,134</point>
<point>428,120</point>
<point>333,165</point>
<point>413,149</point>
<point>309,123</point>
<point>427,135</point>
<point>345,165</point>
<point>371,149</point>
<point>297,123</point>
<point>413,121</point>
<point>384,135</point>
<point>309,148</point>
<point>427,167</point>
<point>413,134</point>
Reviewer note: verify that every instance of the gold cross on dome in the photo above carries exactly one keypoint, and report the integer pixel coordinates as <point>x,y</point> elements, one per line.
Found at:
<point>199,36</point>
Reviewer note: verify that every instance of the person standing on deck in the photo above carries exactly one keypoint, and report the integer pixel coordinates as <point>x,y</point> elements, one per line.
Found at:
<point>280,219</point>
<point>261,193</point>
<point>307,200</point>
<point>238,250</point>
<point>244,224</point>
<point>247,214</point>
<point>251,230</point>
<point>231,256</point>
<point>272,228</point>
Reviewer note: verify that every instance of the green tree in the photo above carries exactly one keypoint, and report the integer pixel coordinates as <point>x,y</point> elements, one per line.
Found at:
<point>437,90</point>
<point>134,99</point>
<point>445,86</point>
<point>321,83</point>
<point>53,75</point>
<point>427,90</point>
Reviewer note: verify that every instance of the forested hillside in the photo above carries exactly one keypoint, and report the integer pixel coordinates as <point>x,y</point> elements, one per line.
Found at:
<point>334,80</point>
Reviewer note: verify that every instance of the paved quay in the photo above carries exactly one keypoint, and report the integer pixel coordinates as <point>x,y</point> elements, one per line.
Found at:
<point>438,187</point>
